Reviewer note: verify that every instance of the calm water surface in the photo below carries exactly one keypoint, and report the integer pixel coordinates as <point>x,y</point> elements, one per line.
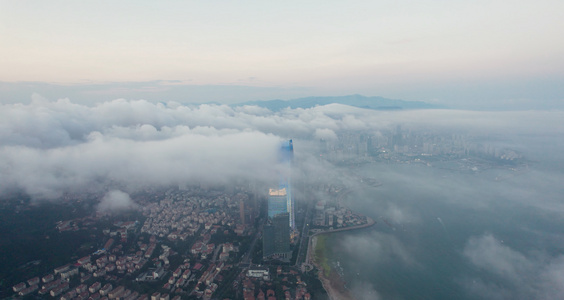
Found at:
<point>439,230</point>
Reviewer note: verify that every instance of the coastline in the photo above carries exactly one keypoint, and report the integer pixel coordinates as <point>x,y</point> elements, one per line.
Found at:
<point>332,282</point>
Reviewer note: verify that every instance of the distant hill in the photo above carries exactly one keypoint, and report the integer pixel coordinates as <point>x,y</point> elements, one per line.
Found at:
<point>360,101</point>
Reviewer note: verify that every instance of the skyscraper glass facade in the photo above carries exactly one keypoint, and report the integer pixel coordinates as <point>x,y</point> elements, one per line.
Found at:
<point>286,156</point>
<point>277,202</point>
<point>276,237</point>
<point>276,234</point>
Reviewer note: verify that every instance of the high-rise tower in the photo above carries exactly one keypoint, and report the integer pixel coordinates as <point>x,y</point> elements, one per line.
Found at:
<point>286,157</point>
<point>276,235</point>
<point>276,238</point>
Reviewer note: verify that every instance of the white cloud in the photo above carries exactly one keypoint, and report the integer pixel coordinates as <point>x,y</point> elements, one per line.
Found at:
<point>364,291</point>
<point>552,279</point>
<point>116,201</point>
<point>103,159</point>
<point>524,276</point>
<point>491,255</point>
<point>400,215</point>
<point>49,146</point>
<point>380,247</point>
<point>325,134</point>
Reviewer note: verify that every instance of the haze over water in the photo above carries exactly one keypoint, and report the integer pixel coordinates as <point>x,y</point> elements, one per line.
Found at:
<point>446,234</point>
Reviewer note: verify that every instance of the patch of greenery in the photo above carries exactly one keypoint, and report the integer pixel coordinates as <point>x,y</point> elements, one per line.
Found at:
<point>321,253</point>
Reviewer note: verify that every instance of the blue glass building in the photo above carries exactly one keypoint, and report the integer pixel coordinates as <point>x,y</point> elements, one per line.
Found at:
<point>281,218</point>
<point>286,155</point>
<point>277,202</point>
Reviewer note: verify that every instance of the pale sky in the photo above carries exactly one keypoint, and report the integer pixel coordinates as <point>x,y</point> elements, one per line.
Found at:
<point>415,50</point>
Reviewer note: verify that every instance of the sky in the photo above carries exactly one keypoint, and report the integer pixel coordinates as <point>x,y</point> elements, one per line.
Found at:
<point>463,54</point>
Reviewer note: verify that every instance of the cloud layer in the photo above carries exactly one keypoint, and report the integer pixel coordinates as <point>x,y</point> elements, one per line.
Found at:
<point>48,147</point>
<point>533,276</point>
<point>116,201</point>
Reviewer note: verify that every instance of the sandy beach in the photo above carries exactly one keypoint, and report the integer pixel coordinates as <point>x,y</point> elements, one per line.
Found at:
<point>334,286</point>
<point>333,283</point>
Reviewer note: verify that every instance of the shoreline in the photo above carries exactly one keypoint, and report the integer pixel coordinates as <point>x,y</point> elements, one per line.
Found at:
<point>333,284</point>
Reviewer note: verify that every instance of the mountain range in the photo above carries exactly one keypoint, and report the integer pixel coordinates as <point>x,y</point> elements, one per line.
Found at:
<point>378,103</point>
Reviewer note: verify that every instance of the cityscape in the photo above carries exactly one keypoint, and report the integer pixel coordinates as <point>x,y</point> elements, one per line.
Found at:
<point>325,150</point>
<point>196,242</point>
<point>239,242</point>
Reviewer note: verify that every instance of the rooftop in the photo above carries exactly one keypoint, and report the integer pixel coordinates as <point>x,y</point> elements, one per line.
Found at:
<point>277,192</point>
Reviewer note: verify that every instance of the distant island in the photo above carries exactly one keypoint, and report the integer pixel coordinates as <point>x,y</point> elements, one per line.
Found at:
<point>360,101</point>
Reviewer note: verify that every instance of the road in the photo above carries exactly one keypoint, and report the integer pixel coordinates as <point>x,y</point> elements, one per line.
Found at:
<point>305,230</point>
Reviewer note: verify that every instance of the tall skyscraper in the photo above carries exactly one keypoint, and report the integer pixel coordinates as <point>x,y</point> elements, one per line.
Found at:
<point>268,241</point>
<point>276,238</point>
<point>286,157</point>
<point>281,233</point>
<point>276,234</point>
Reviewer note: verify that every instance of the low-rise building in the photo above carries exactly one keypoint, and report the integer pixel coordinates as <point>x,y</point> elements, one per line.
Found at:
<point>33,281</point>
<point>59,289</point>
<point>83,296</point>
<point>18,287</point>
<point>69,272</point>
<point>95,287</point>
<point>95,296</point>
<point>68,295</point>
<point>81,288</point>
<point>61,269</point>
<point>106,289</point>
<point>28,290</point>
<point>258,272</point>
<point>48,278</point>
<point>84,260</point>
<point>116,292</point>
<point>156,296</point>
<point>49,285</point>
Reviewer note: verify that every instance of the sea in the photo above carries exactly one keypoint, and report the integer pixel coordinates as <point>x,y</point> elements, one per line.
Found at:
<point>449,232</point>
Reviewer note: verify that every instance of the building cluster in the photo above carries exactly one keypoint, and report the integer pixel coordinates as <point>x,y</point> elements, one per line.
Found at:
<point>399,144</point>
<point>185,244</point>
<point>258,284</point>
<point>177,216</point>
<point>58,283</point>
<point>77,224</point>
<point>181,215</point>
<point>331,216</point>
<point>188,280</point>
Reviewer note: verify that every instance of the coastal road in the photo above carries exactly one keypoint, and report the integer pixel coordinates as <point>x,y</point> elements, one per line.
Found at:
<point>369,222</point>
